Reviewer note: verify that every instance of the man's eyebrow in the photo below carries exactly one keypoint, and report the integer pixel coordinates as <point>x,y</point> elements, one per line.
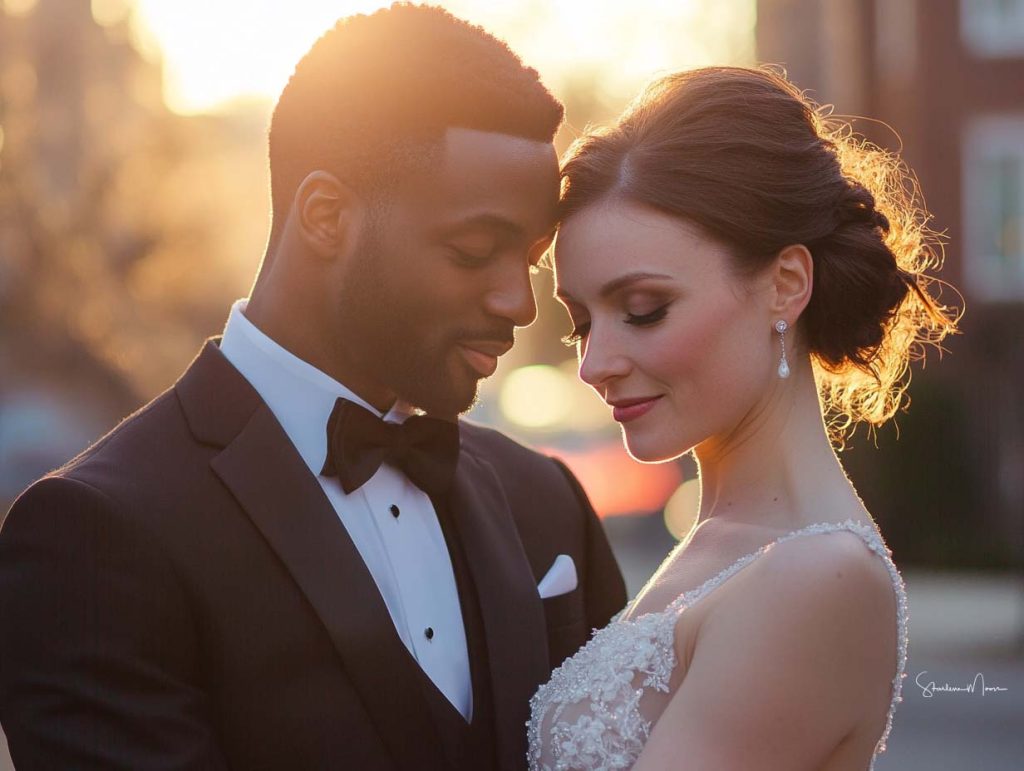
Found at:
<point>616,284</point>
<point>489,220</point>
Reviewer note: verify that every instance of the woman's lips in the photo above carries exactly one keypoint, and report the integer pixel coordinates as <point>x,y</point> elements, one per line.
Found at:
<point>624,414</point>
<point>483,363</point>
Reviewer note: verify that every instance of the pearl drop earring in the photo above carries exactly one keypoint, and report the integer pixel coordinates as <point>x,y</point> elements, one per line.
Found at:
<point>781,326</point>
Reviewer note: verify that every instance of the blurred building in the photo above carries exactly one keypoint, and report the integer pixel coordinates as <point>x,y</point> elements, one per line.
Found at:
<point>62,77</point>
<point>947,77</point>
<point>122,228</point>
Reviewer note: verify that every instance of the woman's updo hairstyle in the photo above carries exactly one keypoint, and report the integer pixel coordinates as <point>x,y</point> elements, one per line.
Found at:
<point>749,159</point>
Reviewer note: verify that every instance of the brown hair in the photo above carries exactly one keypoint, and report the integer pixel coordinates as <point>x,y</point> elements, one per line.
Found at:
<point>745,156</point>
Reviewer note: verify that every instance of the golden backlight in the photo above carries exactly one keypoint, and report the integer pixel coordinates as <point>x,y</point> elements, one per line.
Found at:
<point>217,51</point>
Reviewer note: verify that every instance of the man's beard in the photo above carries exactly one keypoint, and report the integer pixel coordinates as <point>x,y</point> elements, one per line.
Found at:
<point>416,367</point>
<point>420,374</point>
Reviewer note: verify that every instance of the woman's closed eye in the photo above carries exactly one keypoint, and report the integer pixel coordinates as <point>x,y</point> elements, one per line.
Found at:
<point>581,330</point>
<point>645,319</point>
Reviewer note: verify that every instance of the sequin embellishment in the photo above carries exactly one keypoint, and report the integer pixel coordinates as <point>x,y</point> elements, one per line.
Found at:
<point>603,683</point>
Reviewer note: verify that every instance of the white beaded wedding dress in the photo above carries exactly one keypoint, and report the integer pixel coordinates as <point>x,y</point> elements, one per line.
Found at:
<point>597,710</point>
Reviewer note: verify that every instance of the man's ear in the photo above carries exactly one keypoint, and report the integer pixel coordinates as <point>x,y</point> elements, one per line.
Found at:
<point>793,281</point>
<point>329,213</point>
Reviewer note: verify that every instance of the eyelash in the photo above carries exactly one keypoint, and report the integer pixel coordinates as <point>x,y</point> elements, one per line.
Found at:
<point>467,260</point>
<point>647,319</point>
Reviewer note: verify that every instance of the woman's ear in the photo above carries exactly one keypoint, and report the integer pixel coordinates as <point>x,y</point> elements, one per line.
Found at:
<point>328,213</point>
<point>793,279</point>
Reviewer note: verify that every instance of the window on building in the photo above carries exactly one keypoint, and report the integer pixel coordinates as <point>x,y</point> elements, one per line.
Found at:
<point>994,207</point>
<point>993,27</point>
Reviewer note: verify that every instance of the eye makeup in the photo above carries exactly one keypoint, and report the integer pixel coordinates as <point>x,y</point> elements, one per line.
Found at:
<point>580,331</point>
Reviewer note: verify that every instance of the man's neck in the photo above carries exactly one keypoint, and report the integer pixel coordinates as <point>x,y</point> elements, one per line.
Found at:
<point>287,330</point>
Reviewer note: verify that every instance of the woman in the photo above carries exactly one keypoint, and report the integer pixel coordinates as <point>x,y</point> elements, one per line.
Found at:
<point>745,281</point>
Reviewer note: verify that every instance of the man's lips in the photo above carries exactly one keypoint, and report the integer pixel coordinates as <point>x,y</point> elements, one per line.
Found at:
<point>482,355</point>
<point>624,410</point>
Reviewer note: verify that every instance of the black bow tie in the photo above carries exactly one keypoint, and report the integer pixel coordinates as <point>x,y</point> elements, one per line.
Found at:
<point>425,449</point>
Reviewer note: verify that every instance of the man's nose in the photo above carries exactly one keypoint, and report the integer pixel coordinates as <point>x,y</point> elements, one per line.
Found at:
<point>512,298</point>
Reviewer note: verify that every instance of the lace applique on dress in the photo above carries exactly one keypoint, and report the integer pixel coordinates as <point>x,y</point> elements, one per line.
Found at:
<point>588,716</point>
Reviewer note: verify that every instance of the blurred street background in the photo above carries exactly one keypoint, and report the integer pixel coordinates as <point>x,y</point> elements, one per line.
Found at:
<point>134,207</point>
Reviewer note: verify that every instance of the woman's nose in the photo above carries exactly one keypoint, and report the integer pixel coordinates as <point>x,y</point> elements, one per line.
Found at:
<point>601,360</point>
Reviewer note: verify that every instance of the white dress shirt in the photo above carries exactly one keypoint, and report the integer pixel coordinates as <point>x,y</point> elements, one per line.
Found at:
<point>391,521</point>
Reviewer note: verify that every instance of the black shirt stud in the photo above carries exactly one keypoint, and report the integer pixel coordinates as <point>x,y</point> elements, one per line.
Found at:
<point>429,632</point>
<point>395,511</point>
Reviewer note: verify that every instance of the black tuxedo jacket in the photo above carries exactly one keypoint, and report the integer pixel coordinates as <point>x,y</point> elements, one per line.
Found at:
<point>183,596</point>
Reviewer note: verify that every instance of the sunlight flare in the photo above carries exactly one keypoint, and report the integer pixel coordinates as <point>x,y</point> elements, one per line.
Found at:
<point>216,53</point>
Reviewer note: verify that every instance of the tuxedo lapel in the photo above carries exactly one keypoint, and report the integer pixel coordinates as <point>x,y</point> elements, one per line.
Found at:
<point>511,608</point>
<point>285,502</point>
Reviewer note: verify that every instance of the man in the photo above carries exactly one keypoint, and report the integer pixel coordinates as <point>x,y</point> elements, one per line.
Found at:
<point>256,571</point>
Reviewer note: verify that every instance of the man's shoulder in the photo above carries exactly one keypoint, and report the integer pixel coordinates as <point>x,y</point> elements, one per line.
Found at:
<point>147,452</point>
<point>137,435</point>
<point>106,472</point>
<point>513,460</point>
<point>491,443</point>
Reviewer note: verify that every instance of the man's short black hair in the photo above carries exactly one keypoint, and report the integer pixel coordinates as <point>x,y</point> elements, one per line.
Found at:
<point>374,92</point>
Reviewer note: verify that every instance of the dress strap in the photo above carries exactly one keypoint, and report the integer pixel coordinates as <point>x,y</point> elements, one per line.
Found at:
<point>873,539</point>
<point>869,534</point>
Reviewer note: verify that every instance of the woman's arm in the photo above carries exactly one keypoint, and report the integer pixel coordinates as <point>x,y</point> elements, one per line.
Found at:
<point>800,648</point>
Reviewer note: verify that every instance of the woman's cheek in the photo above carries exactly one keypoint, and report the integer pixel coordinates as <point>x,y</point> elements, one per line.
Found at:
<point>690,343</point>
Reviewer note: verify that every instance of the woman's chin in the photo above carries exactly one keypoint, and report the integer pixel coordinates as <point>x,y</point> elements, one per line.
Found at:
<point>651,450</point>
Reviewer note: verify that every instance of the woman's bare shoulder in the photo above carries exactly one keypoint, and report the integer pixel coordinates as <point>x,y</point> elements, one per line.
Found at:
<point>811,619</point>
<point>830,595</point>
<point>836,572</point>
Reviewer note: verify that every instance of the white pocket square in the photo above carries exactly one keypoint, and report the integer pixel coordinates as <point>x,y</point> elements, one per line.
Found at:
<point>560,579</point>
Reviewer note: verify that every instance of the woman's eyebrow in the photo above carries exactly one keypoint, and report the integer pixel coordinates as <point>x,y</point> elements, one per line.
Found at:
<point>618,283</point>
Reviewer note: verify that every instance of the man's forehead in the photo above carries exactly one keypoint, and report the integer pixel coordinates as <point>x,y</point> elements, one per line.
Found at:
<point>468,144</point>
<point>481,173</point>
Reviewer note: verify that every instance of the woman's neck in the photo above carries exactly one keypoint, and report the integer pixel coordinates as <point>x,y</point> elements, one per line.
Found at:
<point>778,469</point>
